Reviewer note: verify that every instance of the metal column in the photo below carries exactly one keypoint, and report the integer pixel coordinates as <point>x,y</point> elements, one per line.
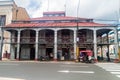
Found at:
<point>55,45</point>
<point>36,48</point>
<point>95,45</point>
<point>18,45</point>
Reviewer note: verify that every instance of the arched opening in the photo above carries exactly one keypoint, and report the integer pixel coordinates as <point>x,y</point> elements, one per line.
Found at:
<point>27,45</point>
<point>46,44</point>
<point>9,46</point>
<point>105,45</point>
<point>65,45</point>
<point>85,41</point>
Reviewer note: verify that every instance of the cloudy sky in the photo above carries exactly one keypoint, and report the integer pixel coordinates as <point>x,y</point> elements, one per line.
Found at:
<point>97,9</point>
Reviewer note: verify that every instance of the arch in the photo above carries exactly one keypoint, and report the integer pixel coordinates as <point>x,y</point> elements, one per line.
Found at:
<point>72,29</point>
<point>105,42</point>
<point>46,29</point>
<point>65,32</point>
<point>112,28</point>
<point>10,30</point>
<point>87,28</point>
<point>85,39</point>
<point>65,29</point>
<point>27,30</point>
<point>28,33</point>
<point>102,31</point>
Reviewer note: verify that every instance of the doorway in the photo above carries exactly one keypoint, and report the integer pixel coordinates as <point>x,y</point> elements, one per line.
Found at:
<point>32,53</point>
<point>49,53</point>
<point>15,57</point>
<point>82,49</point>
<point>66,53</point>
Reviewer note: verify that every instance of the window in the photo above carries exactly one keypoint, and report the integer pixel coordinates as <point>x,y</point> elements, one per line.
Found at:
<point>2,20</point>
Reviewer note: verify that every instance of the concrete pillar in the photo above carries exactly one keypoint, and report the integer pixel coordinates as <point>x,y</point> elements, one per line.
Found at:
<point>18,45</point>
<point>95,45</point>
<point>55,45</point>
<point>75,44</point>
<point>107,42</point>
<point>11,51</point>
<point>116,44</point>
<point>1,42</point>
<point>36,45</point>
<point>108,56</point>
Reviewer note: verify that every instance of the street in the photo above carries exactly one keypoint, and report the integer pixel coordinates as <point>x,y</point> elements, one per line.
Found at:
<point>24,70</point>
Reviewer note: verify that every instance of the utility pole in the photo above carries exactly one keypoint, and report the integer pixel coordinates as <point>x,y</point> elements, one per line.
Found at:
<point>48,5</point>
<point>117,31</point>
<point>77,39</point>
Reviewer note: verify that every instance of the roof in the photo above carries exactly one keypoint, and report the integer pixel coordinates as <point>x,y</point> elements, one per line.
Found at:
<point>57,12</point>
<point>58,24</point>
<point>55,21</point>
<point>58,18</point>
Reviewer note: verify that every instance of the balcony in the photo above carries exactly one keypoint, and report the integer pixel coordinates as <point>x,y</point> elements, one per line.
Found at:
<point>65,40</point>
<point>8,40</point>
<point>27,39</point>
<point>46,40</point>
<point>85,40</point>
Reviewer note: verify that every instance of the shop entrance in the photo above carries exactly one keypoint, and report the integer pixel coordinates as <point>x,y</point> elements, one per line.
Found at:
<point>82,49</point>
<point>32,53</point>
<point>15,53</point>
<point>66,53</point>
<point>49,53</point>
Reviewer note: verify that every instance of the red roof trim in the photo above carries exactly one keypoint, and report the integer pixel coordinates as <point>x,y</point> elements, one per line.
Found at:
<point>73,24</point>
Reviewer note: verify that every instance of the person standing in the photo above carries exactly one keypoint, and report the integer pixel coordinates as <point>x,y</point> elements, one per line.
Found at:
<point>108,57</point>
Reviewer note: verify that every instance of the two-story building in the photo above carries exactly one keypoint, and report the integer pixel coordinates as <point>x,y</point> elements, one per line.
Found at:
<point>55,36</point>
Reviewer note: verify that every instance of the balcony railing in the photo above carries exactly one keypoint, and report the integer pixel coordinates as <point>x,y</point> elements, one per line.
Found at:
<point>9,40</point>
<point>104,40</point>
<point>46,40</point>
<point>27,39</point>
<point>65,40</point>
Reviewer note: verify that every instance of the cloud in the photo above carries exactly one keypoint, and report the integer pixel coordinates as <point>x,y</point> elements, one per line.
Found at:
<point>33,4</point>
<point>22,3</point>
<point>30,5</point>
<point>106,9</point>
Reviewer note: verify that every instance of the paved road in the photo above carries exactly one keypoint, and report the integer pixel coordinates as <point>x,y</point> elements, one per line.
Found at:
<point>54,71</point>
<point>111,67</point>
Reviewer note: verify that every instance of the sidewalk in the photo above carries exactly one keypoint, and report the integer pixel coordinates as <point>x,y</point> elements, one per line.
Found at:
<point>33,61</point>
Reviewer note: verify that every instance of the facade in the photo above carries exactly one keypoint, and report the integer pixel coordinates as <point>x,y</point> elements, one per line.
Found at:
<point>8,12</point>
<point>57,37</point>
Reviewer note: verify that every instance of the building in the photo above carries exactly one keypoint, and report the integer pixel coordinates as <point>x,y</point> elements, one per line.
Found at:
<point>56,35</point>
<point>9,11</point>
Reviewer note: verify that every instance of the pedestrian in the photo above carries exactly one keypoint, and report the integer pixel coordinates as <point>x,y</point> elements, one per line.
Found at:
<point>108,57</point>
<point>66,56</point>
<point>51,56</point>
<point>72,56</point>
<point>58,55</point>
<point>6,54</point>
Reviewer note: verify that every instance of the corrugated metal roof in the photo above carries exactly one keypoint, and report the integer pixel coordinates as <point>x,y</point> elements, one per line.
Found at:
<point>71,24</point>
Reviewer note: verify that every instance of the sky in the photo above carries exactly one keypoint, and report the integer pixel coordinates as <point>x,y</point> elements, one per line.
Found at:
<point>103,10</point>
